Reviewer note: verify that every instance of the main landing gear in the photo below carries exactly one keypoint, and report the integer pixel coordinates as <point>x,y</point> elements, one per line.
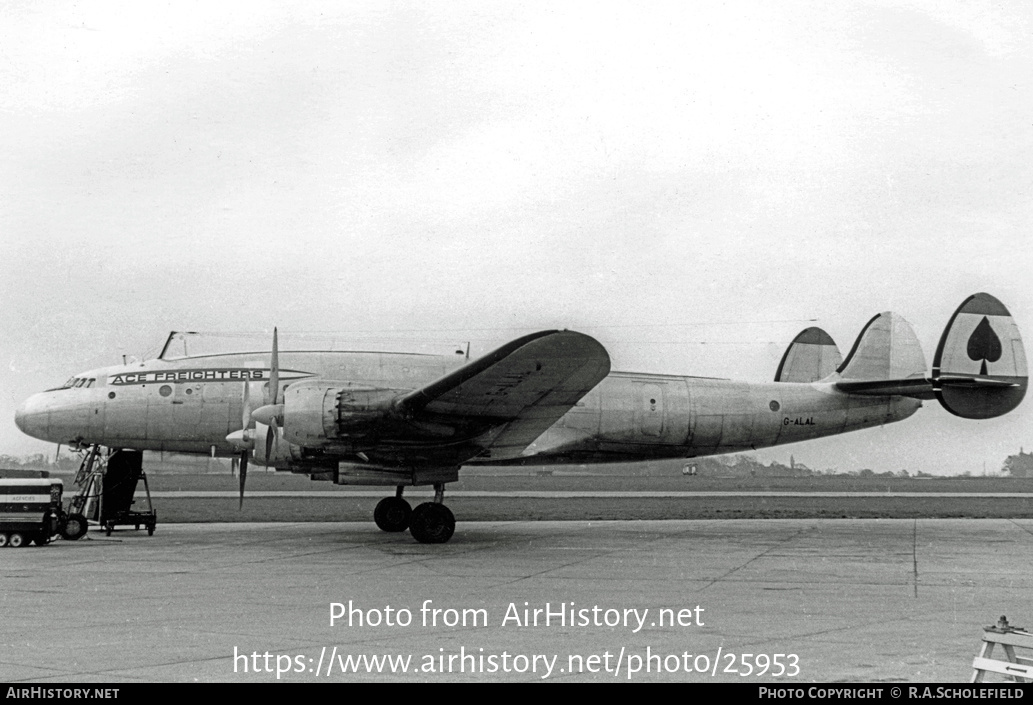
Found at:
<point>430,522</point>
<point>393,513</point>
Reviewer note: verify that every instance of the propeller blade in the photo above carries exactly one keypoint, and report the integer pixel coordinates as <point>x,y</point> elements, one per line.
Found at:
<point>243,476</point>
<point>268,443</point>
<point>274,372</point>
<point>246,417</point>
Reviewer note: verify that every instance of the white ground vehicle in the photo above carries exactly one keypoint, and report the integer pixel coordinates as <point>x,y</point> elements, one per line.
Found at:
<point>30,511</point>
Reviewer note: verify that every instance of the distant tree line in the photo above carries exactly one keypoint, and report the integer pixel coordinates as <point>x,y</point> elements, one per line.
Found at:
<point>1020,465</point>
<point>66,462</point>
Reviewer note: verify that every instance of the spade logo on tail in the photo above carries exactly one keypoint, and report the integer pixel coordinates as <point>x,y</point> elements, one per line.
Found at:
<point>984,345</point>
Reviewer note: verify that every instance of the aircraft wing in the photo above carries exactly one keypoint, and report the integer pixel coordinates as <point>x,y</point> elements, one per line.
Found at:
<point>519,390</point>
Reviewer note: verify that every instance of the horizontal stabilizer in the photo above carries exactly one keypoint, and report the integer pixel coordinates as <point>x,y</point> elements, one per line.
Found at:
<point>914,387</point>
<point>979,370</point>
<point>811,356</point>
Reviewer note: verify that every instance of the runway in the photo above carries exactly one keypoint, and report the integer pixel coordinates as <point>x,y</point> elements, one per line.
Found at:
<point>820,600</point>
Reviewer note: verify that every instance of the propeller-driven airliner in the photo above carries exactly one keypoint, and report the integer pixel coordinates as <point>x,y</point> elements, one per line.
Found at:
<point>402,419</point>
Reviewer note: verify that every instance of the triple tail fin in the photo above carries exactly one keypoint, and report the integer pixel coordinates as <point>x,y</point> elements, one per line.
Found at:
<point>811,356</point>
<point>887,359</point>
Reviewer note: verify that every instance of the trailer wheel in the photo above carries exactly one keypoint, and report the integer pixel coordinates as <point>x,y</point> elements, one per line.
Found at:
<point>3,540</point>
<point>74,528</point>
<point>15,540</point>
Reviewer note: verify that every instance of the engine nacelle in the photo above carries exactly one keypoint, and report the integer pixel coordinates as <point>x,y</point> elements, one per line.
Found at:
<point>314,415</point>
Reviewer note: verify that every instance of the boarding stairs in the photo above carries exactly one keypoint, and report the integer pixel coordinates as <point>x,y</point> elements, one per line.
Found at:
<point>107,487</point>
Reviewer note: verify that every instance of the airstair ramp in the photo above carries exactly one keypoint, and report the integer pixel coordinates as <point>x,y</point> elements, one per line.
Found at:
<point>108,490</point>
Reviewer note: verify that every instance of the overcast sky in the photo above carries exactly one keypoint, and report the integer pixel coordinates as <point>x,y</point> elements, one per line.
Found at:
<point>690,183</point>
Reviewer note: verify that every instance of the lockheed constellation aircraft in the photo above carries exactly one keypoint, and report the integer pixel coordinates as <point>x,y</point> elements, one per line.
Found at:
<point>365,418</point>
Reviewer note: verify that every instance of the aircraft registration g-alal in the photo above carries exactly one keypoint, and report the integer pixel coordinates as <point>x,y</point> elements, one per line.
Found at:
<point>378,418</point>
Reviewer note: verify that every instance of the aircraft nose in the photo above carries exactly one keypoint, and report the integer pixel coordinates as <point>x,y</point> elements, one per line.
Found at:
<point>31,417</point>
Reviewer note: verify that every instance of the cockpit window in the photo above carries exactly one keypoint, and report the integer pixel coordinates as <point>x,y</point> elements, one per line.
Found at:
<point>76,383</point>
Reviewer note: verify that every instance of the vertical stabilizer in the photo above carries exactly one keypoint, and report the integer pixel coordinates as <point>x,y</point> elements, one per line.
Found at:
<point>811,356</point>
<point>886,349</point>
<point>979,370</point>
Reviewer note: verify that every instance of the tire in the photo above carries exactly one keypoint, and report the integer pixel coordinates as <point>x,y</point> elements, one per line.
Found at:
<point>74,528</point>
<point>3,540</point>
<point>16,540</point>
<point>41,539</point>
<point>432,523</point>
<point>392,514</point>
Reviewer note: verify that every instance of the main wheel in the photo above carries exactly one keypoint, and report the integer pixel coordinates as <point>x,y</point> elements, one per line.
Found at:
<point>75,527</point>
<point>16,540</point>
<point>432,523</point>
<point>392,514</point>
<point>41,539</point>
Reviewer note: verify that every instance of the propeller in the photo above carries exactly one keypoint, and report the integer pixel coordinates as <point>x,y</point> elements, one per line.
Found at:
<point>269,413</point>
<point>245,422</point>
<point>244,439</point>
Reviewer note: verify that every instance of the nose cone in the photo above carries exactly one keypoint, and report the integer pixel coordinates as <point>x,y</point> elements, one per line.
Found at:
<point>31,417</point>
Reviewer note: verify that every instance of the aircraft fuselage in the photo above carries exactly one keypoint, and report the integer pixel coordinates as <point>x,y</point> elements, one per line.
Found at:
<point>192,404</point>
